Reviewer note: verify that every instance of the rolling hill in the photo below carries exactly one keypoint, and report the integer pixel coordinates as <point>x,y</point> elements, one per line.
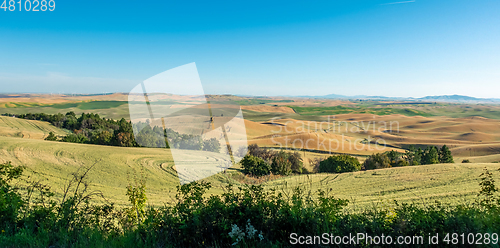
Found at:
<point>30,129</point>
<point>115,167</point>
<point>53,162</point>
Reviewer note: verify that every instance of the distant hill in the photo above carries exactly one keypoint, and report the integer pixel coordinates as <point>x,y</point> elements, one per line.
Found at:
<point>451,98</point>
<point>440,98</point>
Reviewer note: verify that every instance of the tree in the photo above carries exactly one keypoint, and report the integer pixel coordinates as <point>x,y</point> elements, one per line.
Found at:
<point>339,164</point>
<point>75,138</point>
<point>412,155</point>
<point>263,153</point>
<point>430,156</point>
<point>125,139</point>
<point>211,145</point>
<point>51,137</point>
<point>281,164</point>
<point>445,155</point>
<point>377,161</point>
<point>11,201</point>
<point>400,163</point>
<point>418,157</point>
<point>101,137</point>
<point>137,197</point>
<point>297,164</point>
<point>255,166</point>
<point>393,156</point>
<point>486,196</point>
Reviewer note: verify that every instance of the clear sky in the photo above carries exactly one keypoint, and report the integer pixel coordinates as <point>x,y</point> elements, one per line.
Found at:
<point>271,47</point>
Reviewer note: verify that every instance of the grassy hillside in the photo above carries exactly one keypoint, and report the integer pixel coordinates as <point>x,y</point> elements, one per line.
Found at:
<point>476,139</point>
<point>52,162</point>
<point>13,127</point>
<point>424,184</point>
<point>109,109</point>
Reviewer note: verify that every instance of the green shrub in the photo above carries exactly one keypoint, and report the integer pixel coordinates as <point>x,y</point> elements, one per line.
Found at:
<point>51,137</point>
<point>10,198</point>
<point>101,137</point>
<point>255,166</point>
<point>400,163</point>
<point>75,138</point>
<point>377,161</point>
<point>339,164</point>
<point>297,163</point>
<point>487,195</point>
<point>281,164</point>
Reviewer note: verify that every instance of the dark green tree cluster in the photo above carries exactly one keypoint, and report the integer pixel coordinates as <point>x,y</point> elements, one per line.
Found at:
<point>412,156</point>
<point>339,164</point>
<point>431,155</point>
<point>92,129</point>
<point>148,136</point>
<point>377,161</point>
<point>89,128</point>
<point>278,162</point>
<point>156,136</point>
<point>385,160</point>
<point>51,137</point>
<point>255,166</point>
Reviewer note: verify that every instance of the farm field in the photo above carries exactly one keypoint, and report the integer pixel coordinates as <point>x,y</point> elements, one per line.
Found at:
<point>274,123</point>
<point>28,129</point>
<point>115,167</point>
<point>470,130</point>
<point>53,162</point>
<point>422,185</point>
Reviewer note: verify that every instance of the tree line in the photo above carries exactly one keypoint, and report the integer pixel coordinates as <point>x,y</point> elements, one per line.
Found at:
<point>158,137</point>
<point>412,156</point>
<point>89,128</point>
<point>261,161</point>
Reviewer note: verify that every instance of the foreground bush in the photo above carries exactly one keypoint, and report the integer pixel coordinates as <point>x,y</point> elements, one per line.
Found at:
<point>246,216</point>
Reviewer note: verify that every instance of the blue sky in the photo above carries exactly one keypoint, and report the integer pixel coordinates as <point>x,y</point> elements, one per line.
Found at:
<point>352,47</point>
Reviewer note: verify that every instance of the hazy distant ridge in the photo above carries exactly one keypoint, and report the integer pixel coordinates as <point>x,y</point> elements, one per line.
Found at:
<point>440,98</point>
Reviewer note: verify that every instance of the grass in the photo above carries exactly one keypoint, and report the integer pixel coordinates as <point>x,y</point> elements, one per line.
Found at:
<point>256,101</point>
<point>100,105</point>
<point>13,127</point>
<point>52,162</point>
<point>335,110</point>
<point>92,105</point>
<point>21,105</point>
<point>108,109</point>
<point>451,184</point>
<point>119,109</point>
